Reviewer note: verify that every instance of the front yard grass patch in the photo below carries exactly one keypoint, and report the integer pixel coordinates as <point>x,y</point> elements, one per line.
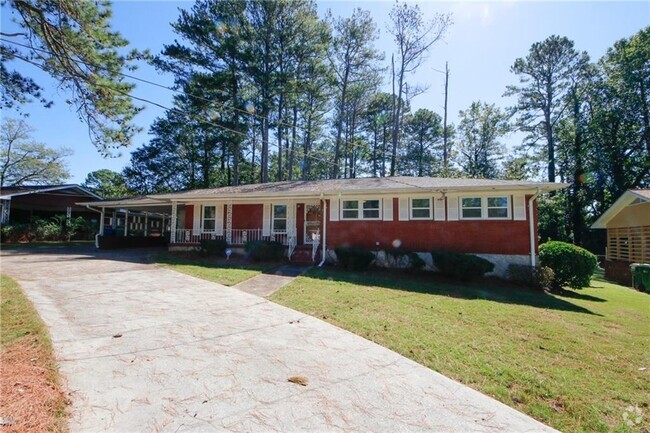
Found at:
<point>577,362</point>
<point>32,399</point>
<point>222,271</point>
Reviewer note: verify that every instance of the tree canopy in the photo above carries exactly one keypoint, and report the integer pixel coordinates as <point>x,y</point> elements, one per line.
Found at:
<point>71,41</point>
<point>24,161</point>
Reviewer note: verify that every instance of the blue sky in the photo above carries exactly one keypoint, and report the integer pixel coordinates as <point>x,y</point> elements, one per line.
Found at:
<point>481,45</point>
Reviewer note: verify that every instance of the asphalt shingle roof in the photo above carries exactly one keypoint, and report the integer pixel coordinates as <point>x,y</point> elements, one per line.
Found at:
<point>378,184</point>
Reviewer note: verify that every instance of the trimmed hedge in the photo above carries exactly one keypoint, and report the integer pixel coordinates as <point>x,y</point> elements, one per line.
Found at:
<point>212,247</point>
<point>264,251</point>
<point>573,266</point>
<point>461,266</point>
<point>539,277</point>
<point>354,259</point>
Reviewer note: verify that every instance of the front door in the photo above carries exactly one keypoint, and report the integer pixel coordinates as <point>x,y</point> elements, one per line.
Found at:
<point>313,218</point>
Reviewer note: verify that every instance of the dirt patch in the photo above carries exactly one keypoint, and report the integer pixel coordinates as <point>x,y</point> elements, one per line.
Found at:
<point>32,400</point>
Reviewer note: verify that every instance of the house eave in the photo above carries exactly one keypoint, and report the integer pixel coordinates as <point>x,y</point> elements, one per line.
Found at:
<point>623,201</point>
<point>526,188</point>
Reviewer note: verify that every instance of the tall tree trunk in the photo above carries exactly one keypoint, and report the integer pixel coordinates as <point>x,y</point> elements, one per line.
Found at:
<point>279,129</point>
<point>397,120</point>
<point>236,138</point>
<point>292,151</point>
<point>445,133</point>
<point>578,220</point>
<point>339,126</point>
<point>375,143</point>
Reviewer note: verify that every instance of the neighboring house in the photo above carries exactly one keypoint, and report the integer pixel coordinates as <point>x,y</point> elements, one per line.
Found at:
<point>628,234</point>
<point>493,218</point>
<point>22,203</point>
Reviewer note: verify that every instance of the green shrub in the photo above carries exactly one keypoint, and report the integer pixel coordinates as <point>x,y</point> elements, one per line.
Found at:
<point>354,259</point>
<point>573,266</point>
<point>415,261</point>
<point>462,266</point>
<point>536,277</point>
<point>212,247</point>
<point>264,251</point>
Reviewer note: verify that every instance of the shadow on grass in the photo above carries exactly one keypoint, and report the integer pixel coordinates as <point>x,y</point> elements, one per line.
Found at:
<point>487,289</point>
<point>578,295</point>
<point>191,259</point>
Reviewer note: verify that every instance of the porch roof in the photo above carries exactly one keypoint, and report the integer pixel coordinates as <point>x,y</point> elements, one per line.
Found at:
<point>332,187</point>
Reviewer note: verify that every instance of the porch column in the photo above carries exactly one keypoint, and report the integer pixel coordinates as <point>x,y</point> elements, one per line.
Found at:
<point>101,222</point>
<point>162,227</point>
<point>229,222</point>
<point>114,220</point>
<point>172,238</point>
<point>146,223</point>
<point>126,223</point>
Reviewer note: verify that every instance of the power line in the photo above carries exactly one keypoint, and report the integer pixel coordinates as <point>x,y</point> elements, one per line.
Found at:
<point>210,122</point>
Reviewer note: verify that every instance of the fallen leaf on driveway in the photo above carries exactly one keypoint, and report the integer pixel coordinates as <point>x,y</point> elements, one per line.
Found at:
<point>300,380</point>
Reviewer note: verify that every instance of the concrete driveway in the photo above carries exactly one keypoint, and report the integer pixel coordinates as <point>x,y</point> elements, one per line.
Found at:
<point>146,349</point>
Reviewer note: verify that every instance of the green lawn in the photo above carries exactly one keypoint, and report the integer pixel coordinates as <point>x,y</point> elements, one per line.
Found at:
<point>220,271</point>
<point>575,362</point>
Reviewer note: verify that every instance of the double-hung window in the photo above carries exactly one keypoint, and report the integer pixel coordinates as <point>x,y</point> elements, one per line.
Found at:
<point>360,209</point>
<point>370,209</point>
<point>420,208</point>
<point>471,207</point>
<point>497,207</point>
<point>350,209</point>
<point>209,218</point>
<point>280,218</point>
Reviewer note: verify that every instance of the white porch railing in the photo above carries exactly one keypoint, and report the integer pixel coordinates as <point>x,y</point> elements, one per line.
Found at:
<point>241,236</point>
<point>237,236</point>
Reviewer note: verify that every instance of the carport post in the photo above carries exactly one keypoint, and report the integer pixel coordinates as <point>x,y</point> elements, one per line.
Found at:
<point>146,223</point>
<point>101,223</point>
<point>172,236</point>
<point>126,223</point>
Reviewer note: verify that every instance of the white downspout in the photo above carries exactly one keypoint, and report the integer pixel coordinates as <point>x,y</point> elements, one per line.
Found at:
<point>100,224</point>
<point>324,239</point>
<point>531,227</point>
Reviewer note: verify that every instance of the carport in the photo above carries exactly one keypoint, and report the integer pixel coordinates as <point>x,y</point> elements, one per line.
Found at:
<point>132,222</point>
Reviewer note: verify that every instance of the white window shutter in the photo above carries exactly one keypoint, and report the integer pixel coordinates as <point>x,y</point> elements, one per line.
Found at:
<point>403,209</point>
<point>334,209</point>
<point>196,224</point>
<point>266,219</point>
<point>519,207</point>
<point>388,209</point>
<point>452,208</point>
<point>439,209</point>
<point>218,223</point>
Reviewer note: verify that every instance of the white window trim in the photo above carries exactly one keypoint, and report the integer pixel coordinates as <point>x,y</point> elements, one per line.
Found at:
<point>411,208</point>
<point>508,207</point>
<point>204,219</point>
<point>360,209</point>
<point>273,218</point>
<point>484,207</point>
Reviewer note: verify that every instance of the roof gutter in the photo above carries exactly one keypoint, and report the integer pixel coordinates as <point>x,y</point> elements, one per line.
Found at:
<point>531,227</point>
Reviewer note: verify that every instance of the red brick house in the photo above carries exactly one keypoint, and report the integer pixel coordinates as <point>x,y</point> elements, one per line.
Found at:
<point>627,222</point>
<point>493,218</point>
